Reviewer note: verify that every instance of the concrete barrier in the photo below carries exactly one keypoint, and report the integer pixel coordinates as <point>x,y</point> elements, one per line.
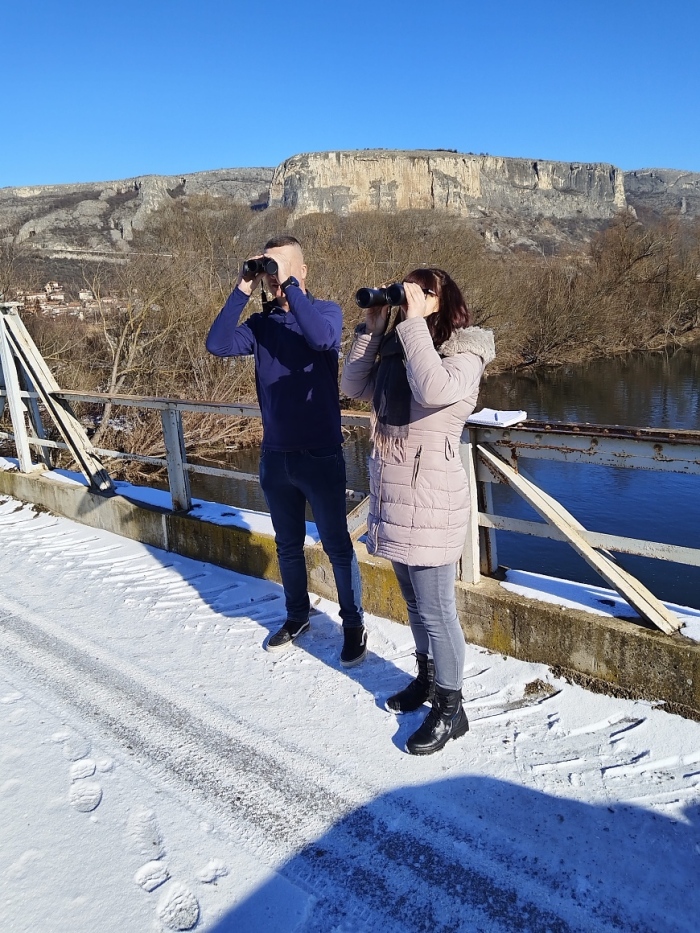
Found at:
<point>602,653</point>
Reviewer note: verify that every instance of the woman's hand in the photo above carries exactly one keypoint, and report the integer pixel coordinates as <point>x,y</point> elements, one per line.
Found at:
<point>416,305</point>
<point>376,318</point>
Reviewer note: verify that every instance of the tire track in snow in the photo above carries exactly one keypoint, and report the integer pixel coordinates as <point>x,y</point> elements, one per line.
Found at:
<point>276,798</point>
<point>281,798</point>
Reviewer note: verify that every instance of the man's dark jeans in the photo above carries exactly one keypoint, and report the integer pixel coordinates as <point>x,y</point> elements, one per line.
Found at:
<point>288,480</point>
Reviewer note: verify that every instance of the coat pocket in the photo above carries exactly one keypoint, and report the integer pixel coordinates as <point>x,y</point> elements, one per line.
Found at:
<point>449,449</point>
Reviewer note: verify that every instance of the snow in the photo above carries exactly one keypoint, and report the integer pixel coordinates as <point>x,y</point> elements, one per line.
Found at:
<point>145,495</point>
<point>160,771</point>
<point>594,599</point>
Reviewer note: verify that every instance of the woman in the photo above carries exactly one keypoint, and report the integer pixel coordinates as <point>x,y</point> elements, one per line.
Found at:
<point>422,375</point>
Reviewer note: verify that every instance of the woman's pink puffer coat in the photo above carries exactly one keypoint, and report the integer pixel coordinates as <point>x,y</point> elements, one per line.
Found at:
<point>419,501</point>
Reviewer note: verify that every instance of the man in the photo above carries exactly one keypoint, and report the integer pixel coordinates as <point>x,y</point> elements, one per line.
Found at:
<point>295,342</point>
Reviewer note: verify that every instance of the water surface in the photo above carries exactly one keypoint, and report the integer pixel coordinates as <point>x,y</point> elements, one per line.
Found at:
<point>658,390</point>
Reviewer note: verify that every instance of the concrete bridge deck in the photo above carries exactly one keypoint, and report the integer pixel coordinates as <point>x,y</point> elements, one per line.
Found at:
<point>146,737</point>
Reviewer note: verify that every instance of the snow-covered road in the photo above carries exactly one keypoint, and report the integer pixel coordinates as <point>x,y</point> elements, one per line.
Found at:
<point>159,770</point>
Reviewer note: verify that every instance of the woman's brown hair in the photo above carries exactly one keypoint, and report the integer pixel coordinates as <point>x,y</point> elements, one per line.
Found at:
<point>452,311</point>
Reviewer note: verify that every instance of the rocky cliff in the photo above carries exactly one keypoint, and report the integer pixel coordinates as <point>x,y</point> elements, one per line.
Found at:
<point>509,200</point>
<point>664,192</point>
<point>466,185</point>
<point>102,216</point>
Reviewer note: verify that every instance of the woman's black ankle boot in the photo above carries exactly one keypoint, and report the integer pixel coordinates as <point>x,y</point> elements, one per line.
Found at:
<point>418,691</point>
<point>446,720</point>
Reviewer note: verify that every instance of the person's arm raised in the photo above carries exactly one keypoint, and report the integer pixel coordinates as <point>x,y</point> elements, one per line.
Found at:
<point>226,337</point>
<point>357,380</point>
<point>434,381</point>
<point>321,323</point>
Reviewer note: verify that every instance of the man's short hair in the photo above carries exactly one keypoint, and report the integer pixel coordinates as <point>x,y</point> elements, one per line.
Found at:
<point>284,239</point>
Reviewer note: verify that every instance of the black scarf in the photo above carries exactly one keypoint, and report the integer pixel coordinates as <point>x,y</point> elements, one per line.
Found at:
<point>391,402</point>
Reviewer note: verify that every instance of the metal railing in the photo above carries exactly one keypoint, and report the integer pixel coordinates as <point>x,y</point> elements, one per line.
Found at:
<point>625,448</point>
<point>489,454</point>
<point>175,460</point>
<point>647,449</point>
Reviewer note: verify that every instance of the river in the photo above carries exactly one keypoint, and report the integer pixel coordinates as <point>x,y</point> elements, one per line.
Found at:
<point>657,390</point>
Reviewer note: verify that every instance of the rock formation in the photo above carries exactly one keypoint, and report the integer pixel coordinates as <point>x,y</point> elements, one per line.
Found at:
<point>508,200</point>
<point>466,185</point>
<point>102,216</point>
<point>663,192</point>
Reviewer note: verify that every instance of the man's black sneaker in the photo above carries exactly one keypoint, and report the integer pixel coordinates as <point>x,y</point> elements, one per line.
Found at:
<point>288,634</point>
<point>354,646</point>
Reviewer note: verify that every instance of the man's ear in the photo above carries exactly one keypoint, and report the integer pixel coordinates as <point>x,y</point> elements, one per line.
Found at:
<point>304,271</point>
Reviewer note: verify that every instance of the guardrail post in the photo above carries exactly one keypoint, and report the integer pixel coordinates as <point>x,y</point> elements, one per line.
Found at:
<point>479,555</point>
<point>35,420</point>
<point>17,409</point>
<point>487,536</point>
<point>468,570</point>
<point>178,480</point>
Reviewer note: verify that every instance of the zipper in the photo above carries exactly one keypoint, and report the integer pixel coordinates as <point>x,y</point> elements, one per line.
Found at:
<point>416,467</point>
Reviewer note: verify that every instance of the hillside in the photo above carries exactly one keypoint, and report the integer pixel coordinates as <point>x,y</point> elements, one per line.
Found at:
<point>511,202</point>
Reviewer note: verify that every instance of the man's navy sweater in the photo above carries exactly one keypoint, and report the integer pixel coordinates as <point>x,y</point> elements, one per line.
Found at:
<point>296,366</point>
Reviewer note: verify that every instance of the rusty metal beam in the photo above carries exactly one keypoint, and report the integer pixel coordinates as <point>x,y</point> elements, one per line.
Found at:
<point>648,449</point>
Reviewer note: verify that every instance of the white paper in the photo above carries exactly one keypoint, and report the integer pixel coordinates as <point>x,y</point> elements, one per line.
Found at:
<point>499,419</point>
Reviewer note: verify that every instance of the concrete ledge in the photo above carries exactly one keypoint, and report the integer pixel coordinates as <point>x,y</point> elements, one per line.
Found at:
<point>599,652</point>
<point>602,653</point>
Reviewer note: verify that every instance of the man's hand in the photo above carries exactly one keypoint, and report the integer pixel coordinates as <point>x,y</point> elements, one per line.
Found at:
<point>376,318</point>
<point>248,285</point>
<point>284,268</point>
<point>415,301</point>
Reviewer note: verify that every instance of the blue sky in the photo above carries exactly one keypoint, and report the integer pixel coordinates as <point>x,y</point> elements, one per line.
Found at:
<point>92,91</point>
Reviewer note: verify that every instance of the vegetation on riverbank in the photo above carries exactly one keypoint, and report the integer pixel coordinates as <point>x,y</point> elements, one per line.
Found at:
<point>632,287</point>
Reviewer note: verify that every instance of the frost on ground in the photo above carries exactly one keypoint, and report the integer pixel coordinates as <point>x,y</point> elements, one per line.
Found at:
<point>160,771</point>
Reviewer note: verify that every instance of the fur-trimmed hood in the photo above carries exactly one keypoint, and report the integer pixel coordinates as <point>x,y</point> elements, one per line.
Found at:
<point>470,340</point>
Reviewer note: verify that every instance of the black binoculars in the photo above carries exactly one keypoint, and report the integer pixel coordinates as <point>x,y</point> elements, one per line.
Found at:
<point>393,295</point>
<point>265,264</point>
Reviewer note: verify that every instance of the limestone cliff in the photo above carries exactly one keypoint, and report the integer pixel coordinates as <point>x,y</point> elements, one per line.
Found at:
<point>664,192</point>
<point>101,216</point>
<point>512,202</point>
<point>462,184</point>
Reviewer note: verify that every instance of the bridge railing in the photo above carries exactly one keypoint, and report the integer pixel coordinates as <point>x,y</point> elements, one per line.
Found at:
<point>648,449</point>
<point>597,445</point>
<point>490,455</point>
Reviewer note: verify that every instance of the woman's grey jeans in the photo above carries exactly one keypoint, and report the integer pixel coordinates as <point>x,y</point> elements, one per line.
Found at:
<point>430,597</point>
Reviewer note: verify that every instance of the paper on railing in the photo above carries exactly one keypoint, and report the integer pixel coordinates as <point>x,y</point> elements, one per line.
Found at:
<point>496,419</point>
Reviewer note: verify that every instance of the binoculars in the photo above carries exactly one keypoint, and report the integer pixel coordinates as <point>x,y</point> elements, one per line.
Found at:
<point>253,267</point>
<point>393,295</point>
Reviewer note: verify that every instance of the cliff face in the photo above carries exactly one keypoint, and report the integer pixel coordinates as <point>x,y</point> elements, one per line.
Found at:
<point>102,216</point>
<point>664,192</point>
<point>510,201</point>
<point>465,185</point>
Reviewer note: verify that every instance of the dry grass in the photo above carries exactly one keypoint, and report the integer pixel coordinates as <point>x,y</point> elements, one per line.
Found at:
<point>634,287</point>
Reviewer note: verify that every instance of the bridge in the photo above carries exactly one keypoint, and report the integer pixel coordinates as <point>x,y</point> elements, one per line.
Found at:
<point>245,791</point>
<point>491,454</point>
